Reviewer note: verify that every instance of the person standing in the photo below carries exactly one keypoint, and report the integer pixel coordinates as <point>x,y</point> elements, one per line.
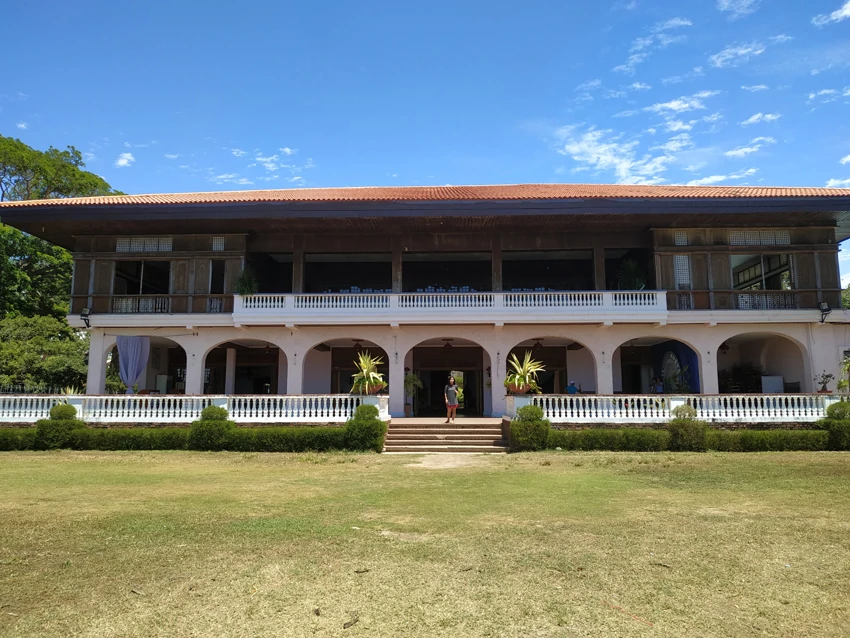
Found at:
<point>572,389</point>
<point>450,393</point>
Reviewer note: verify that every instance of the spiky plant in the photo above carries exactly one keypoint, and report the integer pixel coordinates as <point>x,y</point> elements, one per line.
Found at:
<point>367,379</point>
<point>522,375</point>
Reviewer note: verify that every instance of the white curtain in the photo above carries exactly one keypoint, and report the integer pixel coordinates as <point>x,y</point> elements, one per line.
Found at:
<point>132,359</point>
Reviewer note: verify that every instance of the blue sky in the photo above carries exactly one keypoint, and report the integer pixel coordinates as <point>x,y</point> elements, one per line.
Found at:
<point>164,97</point>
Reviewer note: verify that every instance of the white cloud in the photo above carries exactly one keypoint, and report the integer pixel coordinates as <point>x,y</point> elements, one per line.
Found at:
<point>626,113</point>
<point>89,157</point>
<point>230,178</point>
<point>755,87</point>
<point>603,151</point>
<point>826,96</point>
<point>738,8</point>
<point>238,152</point>
<point>673,23</point>
<point>642,47</point>
<point>736,55</point>
<point>779,39</point>
<point>125,160</point>
<point>676,143</point>
<point>639,86</point>
<point>682,104</point>
<point>842,13</point>
<point>714,117</point>
<point>172,155</point>
<point>676,79</point>
<point>838,183</point>
<point>22,125</point>
<point>590,84</point>
<point>715,179</point>
<point>761,117</point>
<point>755,145</point>
<point>631,63</point>
<point>288,151</point>
<point>678,125</point>
<point>845,160</point>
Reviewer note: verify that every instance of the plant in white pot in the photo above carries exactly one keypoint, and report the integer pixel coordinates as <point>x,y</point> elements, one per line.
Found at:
<point>367,379</point>
<point>522,375</point>
<point>412,384</point>
<point>823,380</point>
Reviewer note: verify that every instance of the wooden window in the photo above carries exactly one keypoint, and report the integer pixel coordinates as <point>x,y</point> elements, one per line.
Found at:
<point>143,244</point>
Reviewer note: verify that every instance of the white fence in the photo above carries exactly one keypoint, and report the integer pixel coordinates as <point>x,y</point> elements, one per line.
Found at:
<point>624,409</point>
<point>165,409</point>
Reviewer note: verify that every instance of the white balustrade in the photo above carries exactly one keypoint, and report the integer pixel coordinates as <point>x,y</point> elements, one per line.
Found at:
<point>651,408</point>
<point>26,408</point>
<point>263,302</point>
<point>638,299</point>
<point>342,301</point>
<point>307,408</point>
<point>148,408</point>
<point>588,299</point>
<point>446,300</point>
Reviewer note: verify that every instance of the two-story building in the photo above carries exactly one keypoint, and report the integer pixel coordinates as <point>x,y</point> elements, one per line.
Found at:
<point>712,289</point>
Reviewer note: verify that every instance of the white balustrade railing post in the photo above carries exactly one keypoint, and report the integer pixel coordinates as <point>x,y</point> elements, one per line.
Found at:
<point>607,300</point>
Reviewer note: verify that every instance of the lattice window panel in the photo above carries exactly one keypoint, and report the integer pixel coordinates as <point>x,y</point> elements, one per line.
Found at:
<point>759,237</point>
<point>682,270</point>
<point>680,238</point>
<point>143,245</point>
<point>218,243</point>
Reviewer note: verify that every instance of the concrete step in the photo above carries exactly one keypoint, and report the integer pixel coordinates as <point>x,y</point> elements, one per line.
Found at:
<point>443,443</point>
<point>436,423</point>
<point>460,431</point>
<point>450,436</point>
<point>454,449</point>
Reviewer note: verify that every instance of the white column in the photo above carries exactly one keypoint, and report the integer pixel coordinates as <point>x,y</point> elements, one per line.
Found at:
<point>708,375</point>
<point>498,406</point>
<point>282,371</point>
<point>96,378</point>
<point>396,381</point>
<point>230,372</point>
<point>194,371</point>
<point>604,372</point>
<point>295,374</point>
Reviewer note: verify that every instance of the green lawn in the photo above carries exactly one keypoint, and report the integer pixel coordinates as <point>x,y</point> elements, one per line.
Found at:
<point>549,544</point>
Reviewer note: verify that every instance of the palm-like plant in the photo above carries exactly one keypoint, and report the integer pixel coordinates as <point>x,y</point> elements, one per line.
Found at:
<point>522,375</point>
<point>367,379</point>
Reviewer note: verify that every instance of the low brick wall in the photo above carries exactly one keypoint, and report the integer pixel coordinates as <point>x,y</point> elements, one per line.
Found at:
<point>713,426</point>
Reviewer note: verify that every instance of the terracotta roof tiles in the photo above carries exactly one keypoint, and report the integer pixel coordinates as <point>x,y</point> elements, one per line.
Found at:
<point>505,192</point>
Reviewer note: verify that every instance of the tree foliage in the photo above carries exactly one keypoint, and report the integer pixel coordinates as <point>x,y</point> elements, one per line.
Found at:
<point>41,351</point>
<point>35,276</point>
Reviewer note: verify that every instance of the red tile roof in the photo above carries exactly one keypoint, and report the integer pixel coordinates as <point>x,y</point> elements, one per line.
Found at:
<point>443,193</point>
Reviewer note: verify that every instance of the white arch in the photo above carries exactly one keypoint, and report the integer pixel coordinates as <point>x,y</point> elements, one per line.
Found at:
<point>807,373</point>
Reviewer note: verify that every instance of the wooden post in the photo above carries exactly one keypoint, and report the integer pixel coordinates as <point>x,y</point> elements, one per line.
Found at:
<point>599,268</point>
<point>496,262</point>
<point>298,265</point>
<point>397,265</point>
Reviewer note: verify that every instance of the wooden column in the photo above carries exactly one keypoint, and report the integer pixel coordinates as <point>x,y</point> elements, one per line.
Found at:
<point>599,268</point>
<point>298,265</point>
<point>496,262</point>
<point>397,265</point>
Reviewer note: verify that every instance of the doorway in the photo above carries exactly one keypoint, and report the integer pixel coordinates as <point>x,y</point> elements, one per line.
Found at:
<point>435,363</point>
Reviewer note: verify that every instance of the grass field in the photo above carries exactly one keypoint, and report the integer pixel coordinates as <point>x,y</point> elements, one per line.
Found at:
<point>549,544</point>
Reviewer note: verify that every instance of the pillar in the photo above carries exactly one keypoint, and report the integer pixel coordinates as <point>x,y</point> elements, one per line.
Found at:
<point>298,265</point>
<point>708,373</point>
<point>194,371</point>
<point>96,378</point>
<point>282,371</point>
<point>397,266</point>
<point>230,372</point>
<point>599,268</point>
<point>497,381</point>
<point>396,382</point>
<point>496,263</point>
<point>295,374</point>
<point>604,371</point>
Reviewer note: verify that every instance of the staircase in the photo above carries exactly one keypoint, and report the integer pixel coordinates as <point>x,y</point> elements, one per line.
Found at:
<point>470,435</point>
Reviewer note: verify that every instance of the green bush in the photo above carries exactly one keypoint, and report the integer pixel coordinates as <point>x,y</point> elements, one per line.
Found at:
<point>622,440</point>
<point>52,434</point>
<point>838,431</point>
<point>529,430</point>
<point>17,439</point>
<point>687,435</point>
<point>364,430</point>
<point>684,412</point>
<point>839,411</point>
<point>129,439</point>
<point>63,412</point>
<point>214,413</point>
<point>766,440</point>
<point>211,434</point>
<point>289,439</point>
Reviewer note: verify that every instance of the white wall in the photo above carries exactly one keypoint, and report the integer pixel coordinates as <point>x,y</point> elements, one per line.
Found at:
<point>317,373</point>
<point>487,407</point>
<point>581,369</point>
<point>781,358</point>
<point>148,381</point>
<point>617,364</point>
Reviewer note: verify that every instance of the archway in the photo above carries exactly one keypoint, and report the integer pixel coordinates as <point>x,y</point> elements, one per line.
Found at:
<point>434,360</point>
<point>758,362</point>
<point>638,361</point>
<point>565,360</point>
<point>244,366</point>
<point>330,365</point>
<point>165,371</point>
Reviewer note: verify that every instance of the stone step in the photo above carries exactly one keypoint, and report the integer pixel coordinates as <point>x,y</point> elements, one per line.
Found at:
<point>432,449</point>
<point>451,436</point>
<point>445,442</point>
<point>463,432</point>
<point>458,425</point>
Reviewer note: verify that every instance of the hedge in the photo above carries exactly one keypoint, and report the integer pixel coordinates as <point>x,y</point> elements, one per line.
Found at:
<point>17,439</point>
<point>129,439</point>
<point>364,430</point>
<point>289,439</point>
<point>766,440</point>
<point>624,440</point>
<point>529,430</point>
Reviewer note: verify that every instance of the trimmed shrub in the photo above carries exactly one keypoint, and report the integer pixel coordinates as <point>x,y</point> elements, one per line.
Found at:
<point>766,440</point>
<point>687,435</point>
<point>17,439</point>
<point>529,430</point>
<point>365,430</point>
<point>289,439</point>
<point>213,432</point>
<point>839,433</point>
<point>684,412</point>
<point>129,439</point>
<point>63,412</point>
<point>623,440</point>
<point>839,411</point>
<point>52,434</point>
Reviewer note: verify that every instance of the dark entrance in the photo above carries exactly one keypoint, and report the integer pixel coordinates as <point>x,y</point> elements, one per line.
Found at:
<point>434,365</point>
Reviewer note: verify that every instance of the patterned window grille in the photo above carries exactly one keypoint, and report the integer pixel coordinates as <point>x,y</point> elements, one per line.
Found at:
<point>682,273</point>
<point>759,237</point>
<point>143,245</point>
<point>680,238</point>
<point>218,243</point>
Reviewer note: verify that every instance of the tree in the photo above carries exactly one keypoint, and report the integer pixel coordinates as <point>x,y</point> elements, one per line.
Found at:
<point>41,351</point>
<point>35,276</point>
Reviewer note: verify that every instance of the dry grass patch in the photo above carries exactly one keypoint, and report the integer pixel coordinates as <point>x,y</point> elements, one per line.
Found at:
<point>550,544</point>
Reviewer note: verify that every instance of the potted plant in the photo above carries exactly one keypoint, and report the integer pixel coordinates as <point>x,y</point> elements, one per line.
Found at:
<point>522,375</point>
<point>367,379</point>
<point>412,384</point>
<point>823,379</point>
<point>843,384</point>
<point>247,283</point>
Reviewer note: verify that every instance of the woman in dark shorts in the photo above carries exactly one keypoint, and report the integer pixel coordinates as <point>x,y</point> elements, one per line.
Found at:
<point>450,393</point>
